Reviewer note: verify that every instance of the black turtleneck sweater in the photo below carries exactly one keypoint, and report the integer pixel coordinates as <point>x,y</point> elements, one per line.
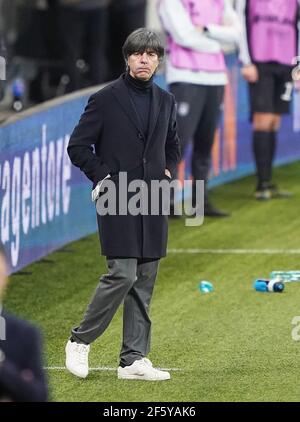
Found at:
<point>140,95</point>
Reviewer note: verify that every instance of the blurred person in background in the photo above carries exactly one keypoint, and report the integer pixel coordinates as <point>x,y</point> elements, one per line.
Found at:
<point>65,43</point>
<point>124,17</point>
<point>35,55</point>
<point>268,45</point>
<point>83,29</point>
<point>7,34</point>
<point>22,376</point>
<point>34,60</point>
<point>196,74</point>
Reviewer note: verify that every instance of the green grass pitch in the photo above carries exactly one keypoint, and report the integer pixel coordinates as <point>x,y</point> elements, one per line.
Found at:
<point>234,344</point>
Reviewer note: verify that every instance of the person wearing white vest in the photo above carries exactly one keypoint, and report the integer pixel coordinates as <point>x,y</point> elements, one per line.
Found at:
<point>196,73</point>
<point>269,47</point>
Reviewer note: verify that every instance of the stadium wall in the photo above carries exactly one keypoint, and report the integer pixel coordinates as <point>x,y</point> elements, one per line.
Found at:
<point>45,201</point>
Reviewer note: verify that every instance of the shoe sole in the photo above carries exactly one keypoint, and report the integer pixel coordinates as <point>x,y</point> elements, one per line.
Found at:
<point>263,198</point>
<point>272,195</point>
<point>76,373</point>
<point>281,196</point>
<point>140,378</point>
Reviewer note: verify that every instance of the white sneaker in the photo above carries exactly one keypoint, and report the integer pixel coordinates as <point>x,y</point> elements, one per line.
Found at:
<point>77,358</point>
<point>142,369</point>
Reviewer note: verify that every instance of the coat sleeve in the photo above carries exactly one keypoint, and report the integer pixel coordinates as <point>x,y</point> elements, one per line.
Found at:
<point>244,54</point>
<point>84,136</point>
<point>172,149</point>
<point>29,383</point>
<point>230,29</point>
<point>176,21</point>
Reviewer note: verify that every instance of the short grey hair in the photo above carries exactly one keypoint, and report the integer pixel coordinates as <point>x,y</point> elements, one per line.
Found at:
<point>142,40</point>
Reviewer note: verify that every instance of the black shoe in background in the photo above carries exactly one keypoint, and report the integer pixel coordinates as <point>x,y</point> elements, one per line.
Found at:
<point>266,190</point>
<point>279,194</point>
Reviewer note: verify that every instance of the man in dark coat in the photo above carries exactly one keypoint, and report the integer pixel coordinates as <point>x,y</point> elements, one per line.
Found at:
<point>132,125</point>
<point>22,377</point>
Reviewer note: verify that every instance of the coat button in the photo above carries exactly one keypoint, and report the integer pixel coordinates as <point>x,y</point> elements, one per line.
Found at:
<point>144,160</point>
<point>140,136</point>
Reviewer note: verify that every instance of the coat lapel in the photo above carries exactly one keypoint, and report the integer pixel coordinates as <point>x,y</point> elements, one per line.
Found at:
<point>120,91</point>
<point>154,112</point>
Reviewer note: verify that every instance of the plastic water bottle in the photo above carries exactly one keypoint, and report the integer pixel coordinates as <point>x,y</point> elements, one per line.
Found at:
<point>206,287</point>
<point>265,285</point>
<point>286,276</point>
<point>18,91</point>
<point>2,67</point>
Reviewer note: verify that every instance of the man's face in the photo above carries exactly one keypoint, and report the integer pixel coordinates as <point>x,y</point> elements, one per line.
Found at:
<point>143,65</point>
<point>3,275</point>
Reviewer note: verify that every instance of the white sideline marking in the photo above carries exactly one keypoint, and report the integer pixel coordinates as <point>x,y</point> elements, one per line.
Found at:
<point>237,251</point>
<point>100,368</point>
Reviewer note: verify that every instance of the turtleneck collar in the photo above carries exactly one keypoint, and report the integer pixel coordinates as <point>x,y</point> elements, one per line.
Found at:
<point>138,84</point>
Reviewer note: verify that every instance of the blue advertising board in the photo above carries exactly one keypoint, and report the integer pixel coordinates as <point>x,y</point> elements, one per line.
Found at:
<point>45,202</point>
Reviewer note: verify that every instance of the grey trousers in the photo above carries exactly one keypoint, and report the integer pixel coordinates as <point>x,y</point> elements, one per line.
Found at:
<point>130,280</point>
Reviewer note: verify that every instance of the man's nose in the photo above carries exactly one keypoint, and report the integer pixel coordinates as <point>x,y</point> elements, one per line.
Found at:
<point>144,58</point>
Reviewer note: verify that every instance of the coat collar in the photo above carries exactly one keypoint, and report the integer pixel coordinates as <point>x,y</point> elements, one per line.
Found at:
<point>121,93</point>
